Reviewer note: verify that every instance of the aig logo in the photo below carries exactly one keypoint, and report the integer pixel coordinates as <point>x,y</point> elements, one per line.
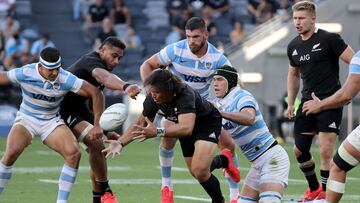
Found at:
<point>305,57</point>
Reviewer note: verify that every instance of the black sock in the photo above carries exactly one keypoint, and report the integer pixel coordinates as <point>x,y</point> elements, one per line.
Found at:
<point>324,177</point>
<point>219,161</point>
<point>212,187</point>
<point>309,171</point>
<point>104,186</point>
<point>96,197</point>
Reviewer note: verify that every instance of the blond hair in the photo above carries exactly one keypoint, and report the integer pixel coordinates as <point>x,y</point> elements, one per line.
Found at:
<point>308,6</point>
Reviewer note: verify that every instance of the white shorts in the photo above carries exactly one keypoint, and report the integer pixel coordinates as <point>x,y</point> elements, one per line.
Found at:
<point>38,127</point>
<point>354,138</point>
<point>271,167</point>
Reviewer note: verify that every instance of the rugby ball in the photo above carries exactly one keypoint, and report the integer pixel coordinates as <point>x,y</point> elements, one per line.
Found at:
<point>113,117</point>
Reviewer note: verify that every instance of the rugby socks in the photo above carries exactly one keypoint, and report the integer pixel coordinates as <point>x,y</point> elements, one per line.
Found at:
<point>96,197</point>
<point>166,158</point>
<point>104,186</point>
<point>5,175</point>
<point>324,177</point>
<point>212,187</point>
<point>66,181</point>
<point>219,161</point>
<point>234,186</point>
<point>307,166</point>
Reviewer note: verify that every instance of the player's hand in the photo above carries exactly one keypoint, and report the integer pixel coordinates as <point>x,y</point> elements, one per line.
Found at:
<point>142,133</point>
<point>312,106</point>
<point>133,90</point>
<point>95,133</point>
<point>112,135</point>
<point>113,149</point>
<point>290,111</point>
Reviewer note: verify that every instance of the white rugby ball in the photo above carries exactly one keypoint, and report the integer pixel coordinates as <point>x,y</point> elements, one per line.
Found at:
<point>113,117</point>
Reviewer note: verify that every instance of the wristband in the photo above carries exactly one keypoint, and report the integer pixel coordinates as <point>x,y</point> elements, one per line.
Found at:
<point>160,132</point>
<point>126,86</point>
<point>122,144</point>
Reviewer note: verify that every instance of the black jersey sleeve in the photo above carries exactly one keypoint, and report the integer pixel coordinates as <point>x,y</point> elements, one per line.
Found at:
<point>150,107</point>
<point>336,44</point>
<point>186,102</point>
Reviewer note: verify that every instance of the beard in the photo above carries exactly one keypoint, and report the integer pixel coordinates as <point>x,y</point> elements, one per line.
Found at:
<point>196,49</point>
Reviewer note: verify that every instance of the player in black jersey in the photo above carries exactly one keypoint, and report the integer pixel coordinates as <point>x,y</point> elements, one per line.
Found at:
<point>314,56</point>
<point>197,125</point>
<point>95,68</point>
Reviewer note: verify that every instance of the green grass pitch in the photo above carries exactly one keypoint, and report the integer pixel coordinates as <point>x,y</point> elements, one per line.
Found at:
<point>134,177</point>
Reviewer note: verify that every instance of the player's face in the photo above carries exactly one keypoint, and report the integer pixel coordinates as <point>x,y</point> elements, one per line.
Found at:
<point>50,75</point>
<point>159,97</point>
<point>220,86</point>
<point>111,55</point>
<point>196,39</point>
<point>304,22</point>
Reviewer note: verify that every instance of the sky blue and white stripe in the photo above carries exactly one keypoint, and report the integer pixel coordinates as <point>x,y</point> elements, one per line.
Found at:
<point>253,140</point>
<point>196,72</point>
<point>42,98</point>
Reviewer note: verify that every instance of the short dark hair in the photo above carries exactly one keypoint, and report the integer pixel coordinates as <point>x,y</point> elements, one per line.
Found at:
<point>164,81</point>
<point>114,42</point>
<point>195,23</point>
<point>308,6</point>
<point>50,54</point>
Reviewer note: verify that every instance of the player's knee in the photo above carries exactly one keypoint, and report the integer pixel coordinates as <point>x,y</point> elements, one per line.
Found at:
<point>95,145</point>
<point>72,156</point>
<point>270,197</point>
<point>200,173</point>
<point>296,151</point>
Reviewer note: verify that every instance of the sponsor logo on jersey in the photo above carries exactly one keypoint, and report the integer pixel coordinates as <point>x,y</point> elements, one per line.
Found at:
<point>191,78</point>
<point>305,57</point>
<point>212,135</point>
<point>208,65</point>
<point>294,53</point>
<point>228,126</point>
<point>316,47</point>
<point>43,97</point>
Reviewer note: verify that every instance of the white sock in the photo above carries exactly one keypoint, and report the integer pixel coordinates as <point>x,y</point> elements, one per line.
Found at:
<point>66,181</point>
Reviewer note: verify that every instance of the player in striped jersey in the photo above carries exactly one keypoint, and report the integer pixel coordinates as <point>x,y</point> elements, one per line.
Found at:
<point>268,175</point>
<point>195,61</point>
<point>44,85</point>
<point>348,154</point>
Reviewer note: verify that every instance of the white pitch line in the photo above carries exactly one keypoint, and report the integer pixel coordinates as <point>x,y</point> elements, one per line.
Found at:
<point>182,169</point>
<point>56,169</point>
<point>192,198</point>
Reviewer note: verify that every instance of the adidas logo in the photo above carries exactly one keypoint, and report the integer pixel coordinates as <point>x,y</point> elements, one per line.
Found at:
<point>294,53</point>
<point>212,135</point>
<point>332,125</point>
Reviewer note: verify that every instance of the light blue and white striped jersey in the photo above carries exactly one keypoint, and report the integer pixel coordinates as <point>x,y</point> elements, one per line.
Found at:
<point>354,66</point>
<point>196,72</point>
<point>42,98</point>
<point>253,140</point>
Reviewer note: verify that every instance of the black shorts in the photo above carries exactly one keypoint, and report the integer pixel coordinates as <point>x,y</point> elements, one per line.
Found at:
<point>73,116</point>
<point>324,121</point>
<point>206,129</point>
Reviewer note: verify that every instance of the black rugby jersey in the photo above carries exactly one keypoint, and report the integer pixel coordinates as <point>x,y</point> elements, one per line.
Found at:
<point>318,61</point>
<point>83,68</point>
<point>188,101</point>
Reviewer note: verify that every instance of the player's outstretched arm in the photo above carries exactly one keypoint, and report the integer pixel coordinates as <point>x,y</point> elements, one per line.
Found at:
<point>4,79</point>
<point>149,66</point>
<point>347,55</point>
<point>111,81</point>
<point>246,116</point>
<point>97,97</point>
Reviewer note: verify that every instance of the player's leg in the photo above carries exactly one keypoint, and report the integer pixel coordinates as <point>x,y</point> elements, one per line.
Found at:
<point>166,158</point>
<point>346,158</point>
<point>62,140</point>
<point>305,129</point>
<point>274,174</point>
<point>18,139</point>
<point>250,190</point>
<point>199,166</point>
<point>232,173</point>
<point>328,123</point>
<point>97,163</point>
